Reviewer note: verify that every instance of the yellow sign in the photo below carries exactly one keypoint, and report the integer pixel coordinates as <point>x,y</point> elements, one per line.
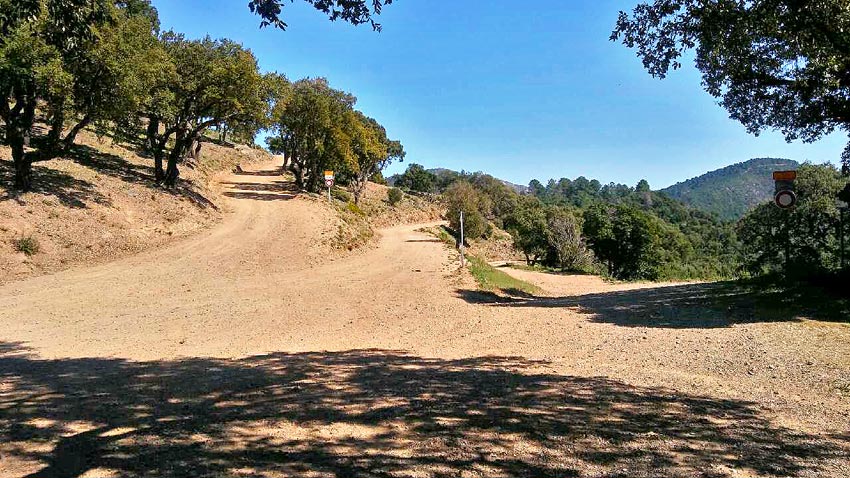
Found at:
<point>784,175</point>
<point>329,174</point>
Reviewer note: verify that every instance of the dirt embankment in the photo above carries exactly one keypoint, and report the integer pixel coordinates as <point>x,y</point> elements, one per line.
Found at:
<point>100,203</point>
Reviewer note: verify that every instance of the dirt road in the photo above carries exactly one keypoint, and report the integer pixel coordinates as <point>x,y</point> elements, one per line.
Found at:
<point>251,351</point>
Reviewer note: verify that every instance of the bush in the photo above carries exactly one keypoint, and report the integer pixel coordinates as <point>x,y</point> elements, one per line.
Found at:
<point>341,195</point>
<point>27,244</point>
<point>463,197</point>
<point>394,196</point>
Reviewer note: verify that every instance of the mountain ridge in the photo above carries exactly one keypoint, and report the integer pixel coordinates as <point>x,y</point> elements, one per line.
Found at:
<point>733,190</point>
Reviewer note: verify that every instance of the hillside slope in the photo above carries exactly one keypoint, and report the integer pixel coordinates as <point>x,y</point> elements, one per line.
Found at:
<point>100,203</point>
<point>732,191</point>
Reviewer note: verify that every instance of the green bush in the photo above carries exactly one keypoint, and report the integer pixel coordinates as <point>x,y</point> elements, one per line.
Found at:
<point>341,195</point>
<point>394,196</point>
<point>27,244</point>
<point>355,209</point>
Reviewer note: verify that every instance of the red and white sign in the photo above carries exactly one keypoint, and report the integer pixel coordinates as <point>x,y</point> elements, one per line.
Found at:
<point>785,199</point>
<point>329,182</point>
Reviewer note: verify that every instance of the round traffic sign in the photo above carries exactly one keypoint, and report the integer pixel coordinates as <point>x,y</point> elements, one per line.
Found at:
<point>329,182</point>
<point>785,199</point>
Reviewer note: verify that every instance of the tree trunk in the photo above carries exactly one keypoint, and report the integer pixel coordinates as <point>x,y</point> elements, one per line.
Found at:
<point>28,120</point>
<point>57,124</point>
<point>72,135</point>
<point>23,167</point>
<point>181,143</point>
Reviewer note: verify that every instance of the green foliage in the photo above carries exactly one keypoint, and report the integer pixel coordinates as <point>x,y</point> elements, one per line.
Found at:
<point>528,226</point>
<point>27,244</point>
<point>341,195</point>
<point>778,64</point>
<point>626,239</point>
<point>463,197</point>
<point>207,82</point>
<point>373,151</point>
<point>565,240</point>
<point>416,178</point>
<point>394,196</point>
<point>355,12</point>
<point>732,191</point>
<point>492,279</point>
<point>808,234</point>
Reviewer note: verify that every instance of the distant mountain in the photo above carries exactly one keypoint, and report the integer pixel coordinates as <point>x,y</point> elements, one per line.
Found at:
<point>443,173</point>
<point>732,191</point>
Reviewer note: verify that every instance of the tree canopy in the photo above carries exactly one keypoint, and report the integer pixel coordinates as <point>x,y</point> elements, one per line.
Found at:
<point>774,64</point>
<point>355,12</point>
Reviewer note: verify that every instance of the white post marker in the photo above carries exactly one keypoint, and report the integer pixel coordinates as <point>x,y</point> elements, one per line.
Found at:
<point>462,259</point>
<point>329,182</point>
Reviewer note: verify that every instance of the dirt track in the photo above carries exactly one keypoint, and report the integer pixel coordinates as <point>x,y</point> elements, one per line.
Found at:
<point>247,351</point>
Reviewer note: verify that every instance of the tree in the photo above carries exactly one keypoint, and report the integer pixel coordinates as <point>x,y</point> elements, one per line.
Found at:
<point>463,197</point>
<point>114,73</point>
<point>527,226</point>
<point>628,240</point>
<point>394,196</point>
<point>39,40</point>
<point>417,178</point>
<point>779,64</point>
<point>355,12</point>
<point>314,129</point>
<point>804,238</point>
<point>218,81</point>
<point>373,152</point>
<point>564,237</point>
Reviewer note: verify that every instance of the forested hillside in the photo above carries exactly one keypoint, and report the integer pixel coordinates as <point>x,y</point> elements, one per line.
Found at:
<point>732,191</point>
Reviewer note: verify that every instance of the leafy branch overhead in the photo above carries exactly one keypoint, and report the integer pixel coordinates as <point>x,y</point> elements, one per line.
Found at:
<point>356,12</point>
<point>774,64</point>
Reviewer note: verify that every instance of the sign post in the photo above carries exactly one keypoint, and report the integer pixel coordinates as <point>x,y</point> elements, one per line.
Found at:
<point>329,182</point>
<point>462,258</point>
<point>843,206</point>
<point>785,198</point>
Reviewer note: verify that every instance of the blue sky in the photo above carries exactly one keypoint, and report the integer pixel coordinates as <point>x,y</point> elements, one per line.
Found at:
<point>518,92</point>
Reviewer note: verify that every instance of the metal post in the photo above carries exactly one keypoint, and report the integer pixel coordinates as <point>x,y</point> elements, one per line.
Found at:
<point>841,212</point>
<point>329,195</point>
<point>462,258</point>
<point>787,242</point>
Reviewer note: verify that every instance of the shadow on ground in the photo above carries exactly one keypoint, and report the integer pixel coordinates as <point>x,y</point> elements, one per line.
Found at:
<point>77,193</point>
<point>116,166</point>
<point>711,305</point>
<point>263,191</point>
<point>68,190</point>
<point>375,413</point>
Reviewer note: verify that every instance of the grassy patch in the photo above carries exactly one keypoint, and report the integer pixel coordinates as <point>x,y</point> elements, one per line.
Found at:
<point>355,230</point>
<point>492,279</point>
<point>27,244</point>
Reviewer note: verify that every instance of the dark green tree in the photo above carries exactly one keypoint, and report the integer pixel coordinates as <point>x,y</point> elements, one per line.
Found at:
<point>40,40</point>
<point>527,226</point>
<point>805,239</point>
<point>314,129</point>
<point>417,178</point>
<point>462,196</point>
<point>209,82</point>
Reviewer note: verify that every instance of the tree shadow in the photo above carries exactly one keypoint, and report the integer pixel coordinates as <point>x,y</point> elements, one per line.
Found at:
<point>118,167</point>
<point>376,413</point>
<point>712,305</point>
<point>264,191</point>
<point>68,190</point>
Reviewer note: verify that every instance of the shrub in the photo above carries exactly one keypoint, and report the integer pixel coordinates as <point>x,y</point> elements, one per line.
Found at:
<point>394,196</point>
<point>341,195</point>
<point>27,244</point>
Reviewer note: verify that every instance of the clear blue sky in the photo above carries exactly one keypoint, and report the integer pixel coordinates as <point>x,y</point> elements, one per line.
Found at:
<point>517,91</point>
